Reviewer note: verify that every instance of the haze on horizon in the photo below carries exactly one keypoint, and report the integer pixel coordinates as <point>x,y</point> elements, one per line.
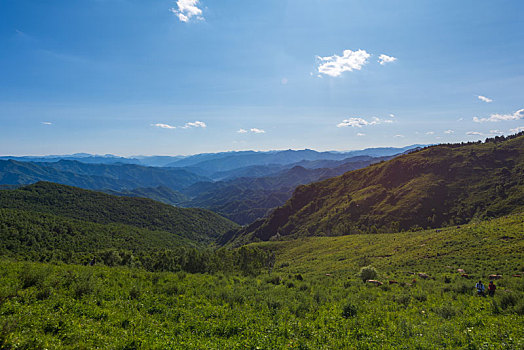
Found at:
<point>195,76</point>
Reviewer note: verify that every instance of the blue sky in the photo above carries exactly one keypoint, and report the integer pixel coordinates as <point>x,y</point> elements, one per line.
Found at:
<point>182,77</point>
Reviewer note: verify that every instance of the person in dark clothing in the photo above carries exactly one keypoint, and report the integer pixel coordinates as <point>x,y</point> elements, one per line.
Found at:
<point>480,289</point>
<point>491,288</point>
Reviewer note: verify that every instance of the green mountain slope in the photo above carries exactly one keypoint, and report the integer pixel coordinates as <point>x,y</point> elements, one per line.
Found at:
<point>43,197</point>
<point>437,186</point>
<point>480,248</point>
<point>95,176</point>
<point>160,194</point>
<point>246,199</point>
<point>42,236</point>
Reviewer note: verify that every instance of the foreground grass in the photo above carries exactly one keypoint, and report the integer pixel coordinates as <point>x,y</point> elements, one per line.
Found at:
<point>296,306</point>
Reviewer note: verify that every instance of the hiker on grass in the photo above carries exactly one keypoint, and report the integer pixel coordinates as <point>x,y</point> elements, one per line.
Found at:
<point>480,289</point>
<point>491,288</point>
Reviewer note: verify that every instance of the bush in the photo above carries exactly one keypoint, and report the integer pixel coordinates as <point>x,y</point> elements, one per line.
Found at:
<point>350,310</point>
<point>32,276</point>
<point>368,273</point>
<point>446,311</point>
<point>508,300</point>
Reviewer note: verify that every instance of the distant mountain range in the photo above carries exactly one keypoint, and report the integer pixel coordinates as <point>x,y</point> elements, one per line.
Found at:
<point>440,185</point>
<point>241,186</point>
<point>96,176</point>
<point>209,163</point>
<point>221,162</point>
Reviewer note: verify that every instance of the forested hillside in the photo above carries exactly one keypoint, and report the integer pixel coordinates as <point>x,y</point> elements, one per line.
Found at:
<point>198,225</point>
<point>440,185</point>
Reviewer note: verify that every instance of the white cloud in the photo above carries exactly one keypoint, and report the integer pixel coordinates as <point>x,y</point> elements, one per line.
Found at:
<point>383,59</point>
<point>516,130</point>
<point>501,117</point>
<point>353,122</point>
<point>392,115</point>
<point>361,134</point>
<point>357,122</point>
<point>335,65</point>
<point>46,123</point>
<point>496,132</point>
<point>252,130</point>
<point>485,99</point>
<point>196,124</point>
<point>430,133</point>
<point>473,133</point>
<point>187,9</point>
<point>449,132</point>
<point>164,126</point>
<point>400,136</point>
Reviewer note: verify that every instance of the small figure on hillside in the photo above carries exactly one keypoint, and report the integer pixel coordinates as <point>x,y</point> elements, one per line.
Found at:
<point>491,288</point>
<point>480,289</point>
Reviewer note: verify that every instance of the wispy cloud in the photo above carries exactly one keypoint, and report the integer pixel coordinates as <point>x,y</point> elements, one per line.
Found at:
<point>335,65</point>
<point>430,133</point>
<point>252,130</point>
<point>392,115</point>
<point>164,126</point>
<point>485,99</point>
<point>195,124</point>
<point>516,130</point>
<point>474,133</point>
<point>357,122</point>
<point>400,136</point>
<point>187,9</point>
<point>383,59</point>
<point>449,132</point>
<point>496,132</point>
<point>501,117</point>
<point>361,134</point>
<point>46,123</point>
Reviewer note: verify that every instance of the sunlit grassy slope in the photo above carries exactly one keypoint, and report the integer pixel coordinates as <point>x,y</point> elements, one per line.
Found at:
<point>442,185</point>
<point>480,248</point>
<point>313,298</point>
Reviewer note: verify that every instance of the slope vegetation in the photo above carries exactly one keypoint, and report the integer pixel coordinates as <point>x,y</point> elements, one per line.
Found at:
<point>194,224</point>
<point>313,298</point>
<point>437,186</point>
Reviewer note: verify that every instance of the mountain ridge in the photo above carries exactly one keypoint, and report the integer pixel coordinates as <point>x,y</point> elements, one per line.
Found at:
<point>436,186</point>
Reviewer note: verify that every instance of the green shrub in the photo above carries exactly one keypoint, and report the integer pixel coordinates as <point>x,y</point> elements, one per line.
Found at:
<point>508,300</point>
<point>349,310</point>
<point>445,311</point>
<point>135,292</point>
<point>32,276</point>
<point>368,273</point>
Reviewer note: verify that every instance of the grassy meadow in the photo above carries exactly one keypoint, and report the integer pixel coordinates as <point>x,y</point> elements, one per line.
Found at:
<point>313,298</point>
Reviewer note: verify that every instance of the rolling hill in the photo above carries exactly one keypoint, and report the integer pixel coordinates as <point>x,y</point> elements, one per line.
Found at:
<point>197,225</point>
<point>437,186</point>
